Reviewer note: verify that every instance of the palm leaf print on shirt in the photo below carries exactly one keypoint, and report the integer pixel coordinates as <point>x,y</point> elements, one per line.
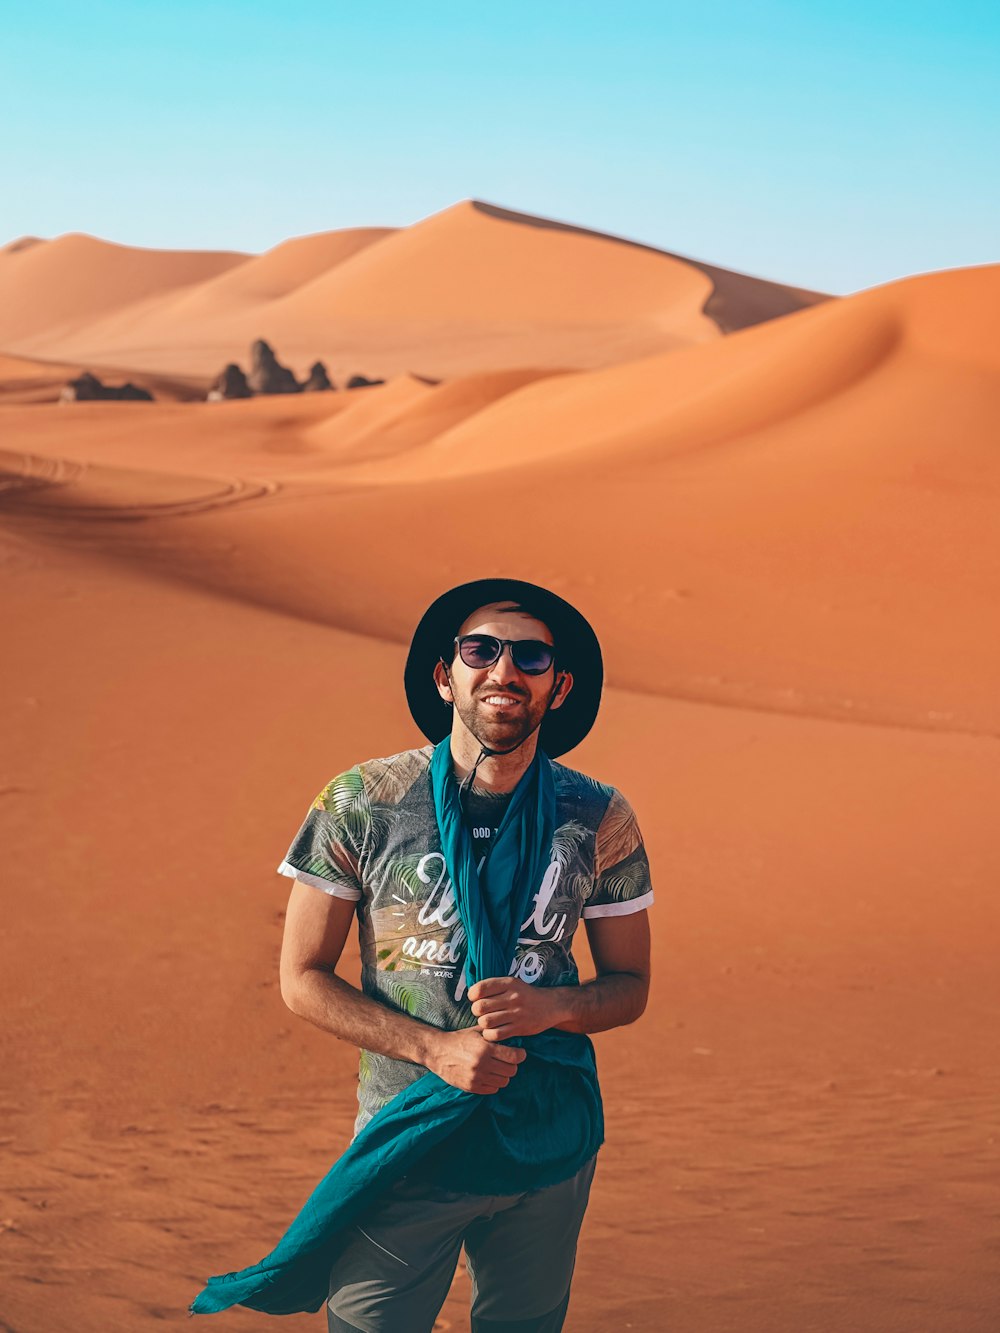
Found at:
<point>621,887</point>
<point>567,841</point>
<point>405,998</point>
<point>345,798</point>
<point>618,836</point>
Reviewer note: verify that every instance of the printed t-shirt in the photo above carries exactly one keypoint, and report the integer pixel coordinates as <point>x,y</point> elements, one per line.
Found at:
<point>371,836</point>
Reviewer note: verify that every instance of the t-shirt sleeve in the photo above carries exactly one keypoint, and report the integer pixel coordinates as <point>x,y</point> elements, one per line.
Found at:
<point>327,849</point>
<point>621,868</point>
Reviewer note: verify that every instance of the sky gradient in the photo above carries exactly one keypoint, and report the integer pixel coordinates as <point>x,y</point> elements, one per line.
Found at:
<point>828,146</point>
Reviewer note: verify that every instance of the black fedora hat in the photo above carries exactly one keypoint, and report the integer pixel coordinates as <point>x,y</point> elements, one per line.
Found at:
<point>577,651</point>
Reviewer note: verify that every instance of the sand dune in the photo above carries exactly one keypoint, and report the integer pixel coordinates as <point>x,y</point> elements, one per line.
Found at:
<point>472,289</point>
<point>669,403</point>
<point>473,265</point>
<point>34,380</point>
<point>695,398</point>
<point>24,380</point>
<point>19,245</point>
<point>51,288</point>
<point>276,273</point>
<point>764,502</point>
<point>399,420</point>
<point>212,311</point>
<point>786,539</point>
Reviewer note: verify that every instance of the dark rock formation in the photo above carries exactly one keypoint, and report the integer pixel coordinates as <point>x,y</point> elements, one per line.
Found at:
<point>132,392</point>
<point>232,383</point>
<point>318,379</point>
<point>267,374</point>
<point>361,382</point>
<point>85,389</point>
<point>88,388</point>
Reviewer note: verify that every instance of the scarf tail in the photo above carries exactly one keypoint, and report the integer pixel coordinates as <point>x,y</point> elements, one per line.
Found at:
<point>293,1276</point>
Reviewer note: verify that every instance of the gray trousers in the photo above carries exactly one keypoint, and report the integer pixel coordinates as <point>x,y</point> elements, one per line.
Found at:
<point>395,1271</point>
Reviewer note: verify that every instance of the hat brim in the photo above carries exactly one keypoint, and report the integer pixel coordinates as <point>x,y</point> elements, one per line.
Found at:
<point>577,651</point>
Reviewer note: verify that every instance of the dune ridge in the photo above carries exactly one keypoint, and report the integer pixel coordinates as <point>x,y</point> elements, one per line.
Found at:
<point>778,430</point>
<point>669,402</point>
<point>417,414</point>
<point>53,288</point>
<point>472,289</point>
<point>737,300</point>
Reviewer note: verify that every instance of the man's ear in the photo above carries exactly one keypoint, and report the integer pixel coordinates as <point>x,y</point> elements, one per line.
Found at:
<point>565,679</point>
<point>442,681</point>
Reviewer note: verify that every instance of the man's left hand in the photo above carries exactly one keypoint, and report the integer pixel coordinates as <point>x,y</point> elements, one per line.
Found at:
<point>508,1007</point>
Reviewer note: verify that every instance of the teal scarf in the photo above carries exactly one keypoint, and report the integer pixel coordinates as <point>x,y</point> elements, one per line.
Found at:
<point>537,1131</point>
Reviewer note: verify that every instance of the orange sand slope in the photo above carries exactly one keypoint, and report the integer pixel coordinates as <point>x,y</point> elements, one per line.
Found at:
<point>50,289</point>
<point>786,511</point>
<point>26,379</point>
<point>475,288</point>
<point>807,1096</point>
<point>786,539</point>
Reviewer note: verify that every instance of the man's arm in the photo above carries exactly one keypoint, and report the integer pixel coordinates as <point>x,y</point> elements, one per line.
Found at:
<point>316,929</point>
<point>507,1007</point>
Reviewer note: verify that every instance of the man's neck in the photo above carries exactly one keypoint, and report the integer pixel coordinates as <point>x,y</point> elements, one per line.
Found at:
<point>496,773</point>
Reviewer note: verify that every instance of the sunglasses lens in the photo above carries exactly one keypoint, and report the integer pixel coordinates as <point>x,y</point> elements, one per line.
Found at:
<point>532,656</point>
<point>479,650</point>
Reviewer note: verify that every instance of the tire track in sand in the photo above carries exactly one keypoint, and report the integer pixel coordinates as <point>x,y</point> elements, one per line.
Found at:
<point>31,484</point>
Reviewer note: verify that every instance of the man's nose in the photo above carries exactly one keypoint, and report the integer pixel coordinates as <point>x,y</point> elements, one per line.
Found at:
<point>503,669</point>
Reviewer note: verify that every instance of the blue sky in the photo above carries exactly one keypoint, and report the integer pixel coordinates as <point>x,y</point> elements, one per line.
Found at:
<point>832,146</point>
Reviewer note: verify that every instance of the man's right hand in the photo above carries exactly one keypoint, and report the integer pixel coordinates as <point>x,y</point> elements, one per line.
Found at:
<point>466,1060</point>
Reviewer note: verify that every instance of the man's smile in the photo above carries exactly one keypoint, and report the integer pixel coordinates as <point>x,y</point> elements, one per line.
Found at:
<point>500,700</point>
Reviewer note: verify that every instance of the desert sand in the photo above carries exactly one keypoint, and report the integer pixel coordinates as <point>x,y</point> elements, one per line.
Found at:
<point>778,510</point>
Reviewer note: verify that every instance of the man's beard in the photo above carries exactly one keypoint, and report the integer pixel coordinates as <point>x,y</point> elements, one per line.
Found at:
<point>496,732</point>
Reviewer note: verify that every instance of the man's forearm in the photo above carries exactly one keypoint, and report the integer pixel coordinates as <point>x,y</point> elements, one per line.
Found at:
<point>606,1002</point>
<point>331,1003</point>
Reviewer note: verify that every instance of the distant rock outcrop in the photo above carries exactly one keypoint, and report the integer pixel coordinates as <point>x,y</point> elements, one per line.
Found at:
<point>361,382</point>
<point>318,379</point>
<point>267,374</point>
<point>83,389</point>
<point>231,383</point>
<point>133,392</point>
<point>88,388</point>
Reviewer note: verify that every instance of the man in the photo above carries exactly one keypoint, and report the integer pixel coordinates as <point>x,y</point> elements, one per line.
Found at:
<point>497,669</point>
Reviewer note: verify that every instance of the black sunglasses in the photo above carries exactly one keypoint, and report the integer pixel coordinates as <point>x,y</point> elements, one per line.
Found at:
<point>531,656</point>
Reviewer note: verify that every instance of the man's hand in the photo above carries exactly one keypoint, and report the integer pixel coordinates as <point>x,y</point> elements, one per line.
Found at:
<point>466,1061</point>
<point>508,1007</point>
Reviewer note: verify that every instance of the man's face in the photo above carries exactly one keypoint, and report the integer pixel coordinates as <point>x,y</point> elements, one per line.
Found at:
<point>500,705</point>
